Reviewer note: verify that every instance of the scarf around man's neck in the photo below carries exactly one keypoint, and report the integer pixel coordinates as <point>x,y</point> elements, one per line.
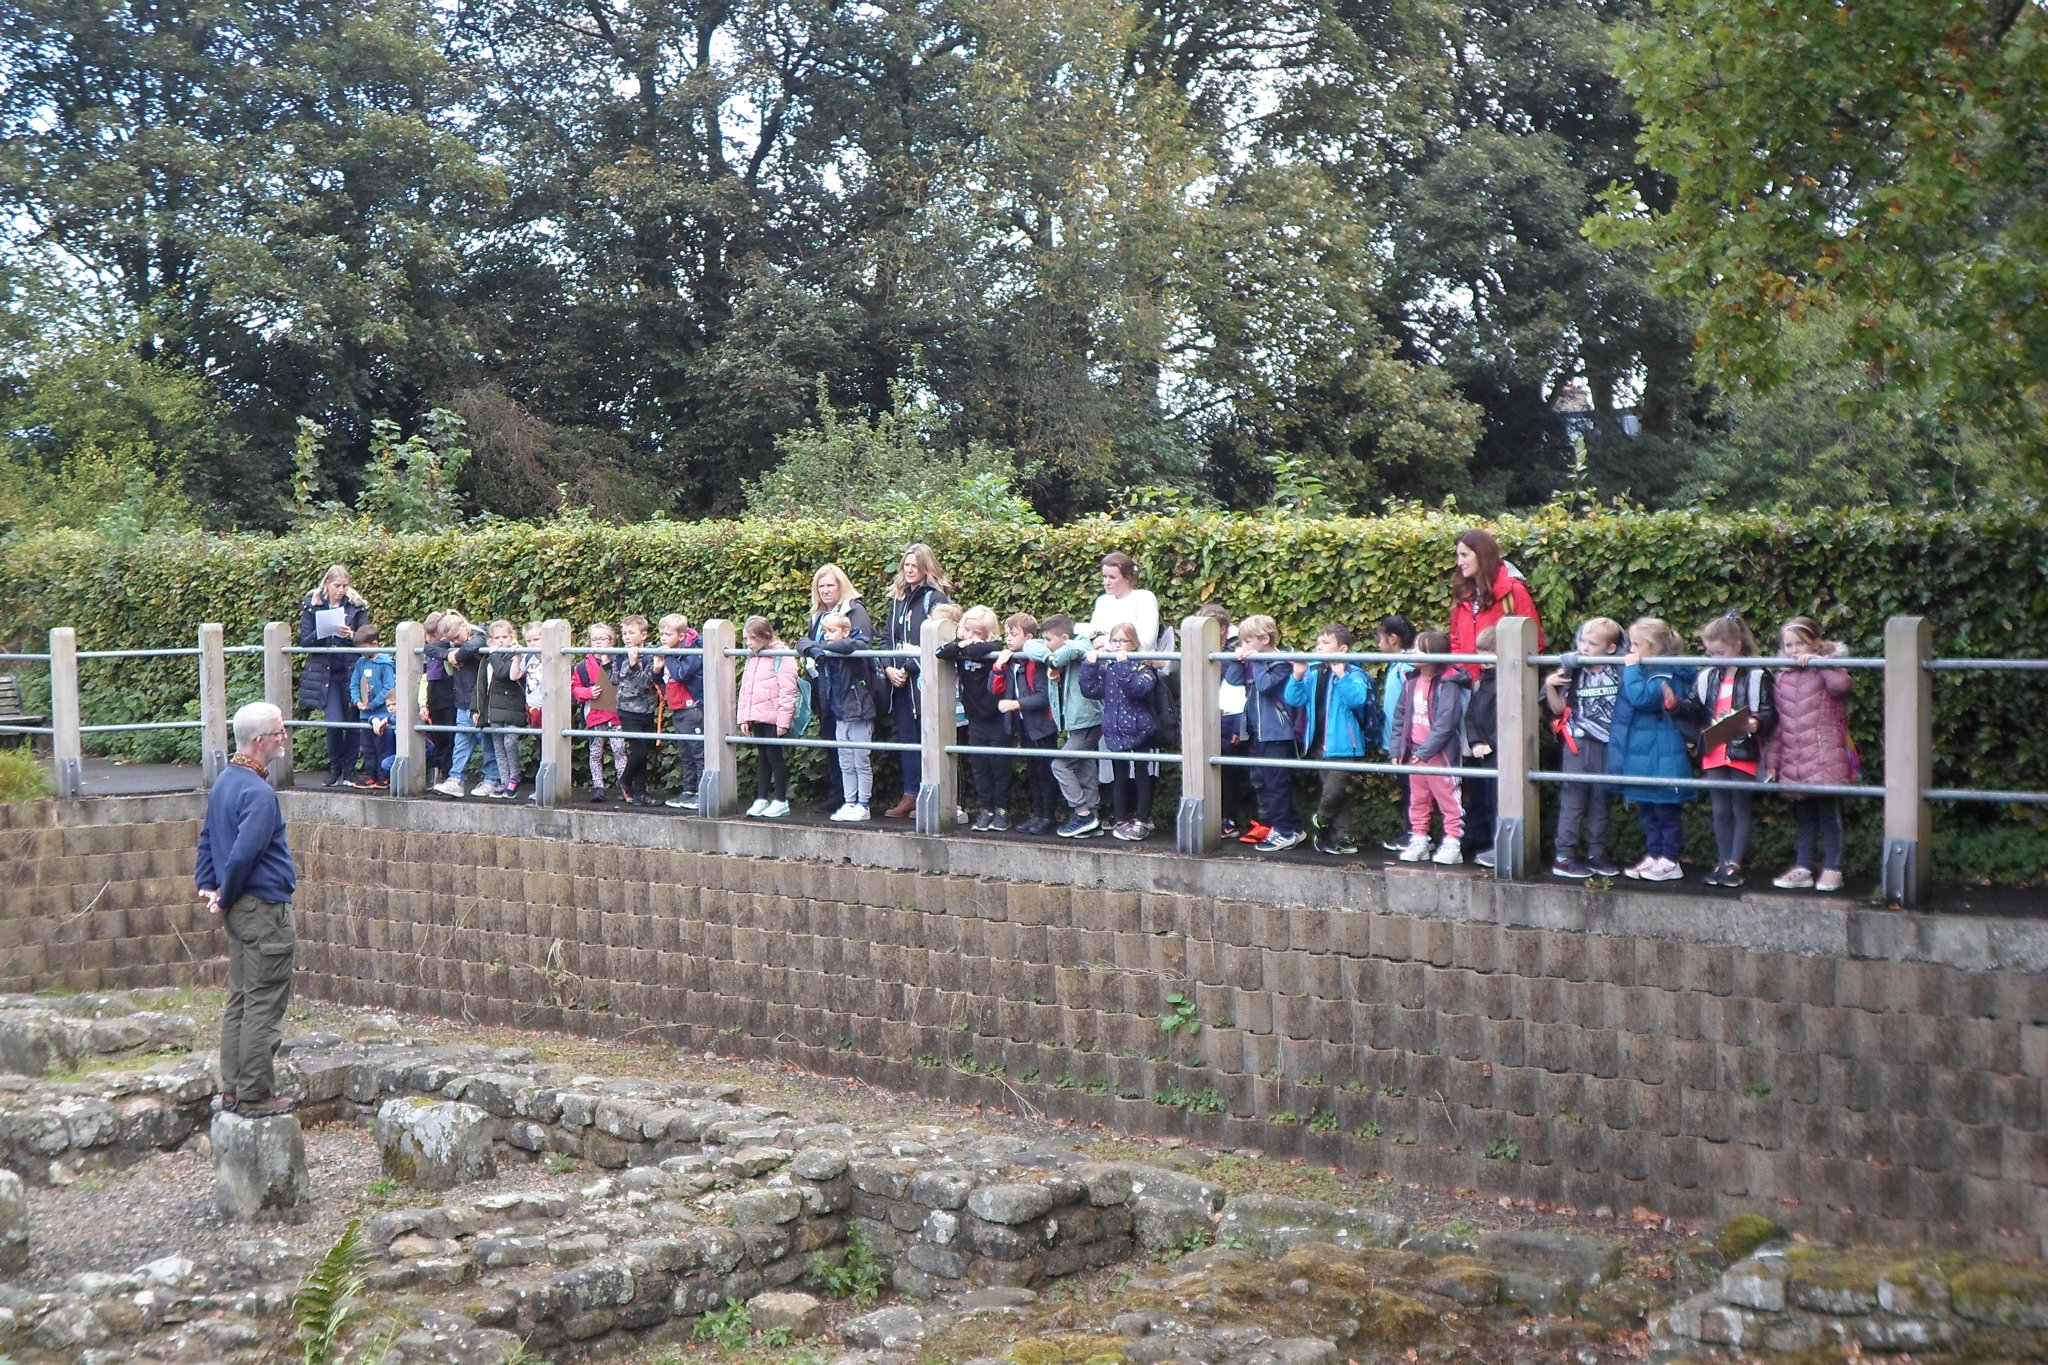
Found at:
<point>242,760</point>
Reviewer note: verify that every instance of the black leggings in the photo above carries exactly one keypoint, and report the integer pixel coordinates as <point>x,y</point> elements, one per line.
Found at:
<point>1130,790</point>
<point>634,779</point>
<point>771,764</point>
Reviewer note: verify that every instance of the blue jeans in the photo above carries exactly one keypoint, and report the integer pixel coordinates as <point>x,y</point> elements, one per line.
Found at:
<point>1660,828</point>
<point>468,739</point>
<point>1275,787</point>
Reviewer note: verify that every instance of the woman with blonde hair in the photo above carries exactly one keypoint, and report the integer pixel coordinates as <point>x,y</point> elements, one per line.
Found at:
<point>833,593</point>
<point>920,585</point>
<point>323,687</point>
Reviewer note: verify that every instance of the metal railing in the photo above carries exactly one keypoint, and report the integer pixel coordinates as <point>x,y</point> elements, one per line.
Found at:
<point>1907,668</point>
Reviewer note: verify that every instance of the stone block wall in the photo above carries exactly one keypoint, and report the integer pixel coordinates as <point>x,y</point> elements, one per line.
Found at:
<point>1856,1074</point>
<point>103,905</point>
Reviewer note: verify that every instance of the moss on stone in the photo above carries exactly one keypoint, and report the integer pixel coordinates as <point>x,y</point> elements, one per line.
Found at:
<point>1744,1233</point>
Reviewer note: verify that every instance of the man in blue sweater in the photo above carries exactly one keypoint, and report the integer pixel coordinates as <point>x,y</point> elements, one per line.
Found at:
<point>245,874</point>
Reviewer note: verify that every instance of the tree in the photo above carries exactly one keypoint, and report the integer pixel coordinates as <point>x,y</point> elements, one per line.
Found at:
<point>895,465</point>
<point>270,190</point>
<point>1883,163</point>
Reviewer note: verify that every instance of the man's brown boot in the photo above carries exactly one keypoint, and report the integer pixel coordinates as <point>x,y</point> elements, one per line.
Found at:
<point>907,806</point>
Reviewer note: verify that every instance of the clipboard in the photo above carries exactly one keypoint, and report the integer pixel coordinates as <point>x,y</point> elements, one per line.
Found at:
<point>1734,725</point>
<point>329,622</point>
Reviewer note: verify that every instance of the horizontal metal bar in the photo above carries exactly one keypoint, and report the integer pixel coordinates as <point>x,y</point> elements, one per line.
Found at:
<point>25,658</point>
<point>1351,766</point>
<point>1710,784</point>
<point>2002,798</point>
<point>1710,661</point>
<point>139,725</point>
<point>26,730</point>
<point>785,742</point>
<point>136,653</point>
<point>1986,665</point>
<point>1106,755</point>
<point>243,649</point>
<point>1282,656</point>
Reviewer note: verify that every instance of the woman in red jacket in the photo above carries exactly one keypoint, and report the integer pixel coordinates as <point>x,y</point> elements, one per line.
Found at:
<point>1485,588</point>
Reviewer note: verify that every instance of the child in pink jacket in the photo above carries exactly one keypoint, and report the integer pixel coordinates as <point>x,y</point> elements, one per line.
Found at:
<point>767,707</point>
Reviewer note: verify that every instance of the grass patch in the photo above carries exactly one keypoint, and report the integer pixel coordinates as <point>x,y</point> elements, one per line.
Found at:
<point>23,777</point>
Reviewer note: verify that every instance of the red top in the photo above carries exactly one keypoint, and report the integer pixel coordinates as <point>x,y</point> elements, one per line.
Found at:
<point>1510,598</point>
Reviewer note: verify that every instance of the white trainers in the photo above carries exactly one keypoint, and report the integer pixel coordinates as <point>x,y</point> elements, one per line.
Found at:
<point>1828,880</point>
<point>843,814</point>
<point>1641,870</point>
<point>484,789</point>
<point>1415,850</point>
<point>1663,870</point>
<point>450,787</point>
<point>1449,853</point>
<point>1796,879</point>
<point>759,808</point>
<point>775,810</point>
<point>850,813</point>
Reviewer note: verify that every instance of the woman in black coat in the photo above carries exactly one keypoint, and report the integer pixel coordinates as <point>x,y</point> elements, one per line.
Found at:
<point>323,687</point>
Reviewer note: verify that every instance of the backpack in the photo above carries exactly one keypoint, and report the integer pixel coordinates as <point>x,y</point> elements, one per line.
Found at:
<point>800,723</point>
<point>1165,708</point>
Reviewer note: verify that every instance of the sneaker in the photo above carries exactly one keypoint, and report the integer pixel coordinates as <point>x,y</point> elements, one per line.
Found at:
<point>959,815</point>
<point>776,810</point>
<point>844,813</point>
<point>860,814</point>
<point>1664,870</point>
<point>1231,829</point>
<point>682,801</point>
<point>1144,829</point>
<point>758,809</point>
<point>691,801</point>
<point>1415,850</point>
<point>999,820</point>
<point>1570,867</point>
<point>597,796</point>
<point>1714,878</point>
<point>375,784</point>
<point>1276,842</point>
<point>1731,876</point>
<point>534,796</point>
<point>830,806</point>
<point>1131,831</point>
<point>1793,879</point>
<point>1257,834</point>
<point>644,800</point>
<point>1082,824</point>
<point>1828,880</point>
<point>1397,845</point>
<point>983,820</point>
<point>1600,865</point>
<point>507,793</point>
<point>483,788</point>
<point>333,780</point>
<point>449,788</point>
<point>1641,869</point>
<point>1336,845</point>
<point>1484,857</point>
<point>906,806</point>
<point>1449,853</point>
<point>1037,824</point>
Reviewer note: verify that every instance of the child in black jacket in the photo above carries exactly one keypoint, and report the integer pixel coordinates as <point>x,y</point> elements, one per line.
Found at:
<point>974,653</point>
<point>849,687</point>
<point>1025,689</point>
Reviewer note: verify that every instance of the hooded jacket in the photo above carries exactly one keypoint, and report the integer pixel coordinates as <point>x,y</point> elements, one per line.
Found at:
<point>1446,717</point>
<point>1341,724</point>
<point>1266,717</point>
<point>848,685</point>
<point>1028,682</point>
<point>1811,741</point>
<point>1644,740</point>
<point>1124,688</point>
<point>767,693</point>
<point>1510,598</point>
<point>1072,710</point>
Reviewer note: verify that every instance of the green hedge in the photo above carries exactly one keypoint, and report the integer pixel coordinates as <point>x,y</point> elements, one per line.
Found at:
<point>1980,578</point>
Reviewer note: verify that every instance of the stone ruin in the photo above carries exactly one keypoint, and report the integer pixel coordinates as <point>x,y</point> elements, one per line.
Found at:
<point>703,1199</point>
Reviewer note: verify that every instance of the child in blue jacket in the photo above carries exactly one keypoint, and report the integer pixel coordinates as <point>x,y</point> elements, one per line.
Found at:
<point>370,685</point>
<point>1269,725</point>
<point>1645,742</point>
<point>1334,701</point>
